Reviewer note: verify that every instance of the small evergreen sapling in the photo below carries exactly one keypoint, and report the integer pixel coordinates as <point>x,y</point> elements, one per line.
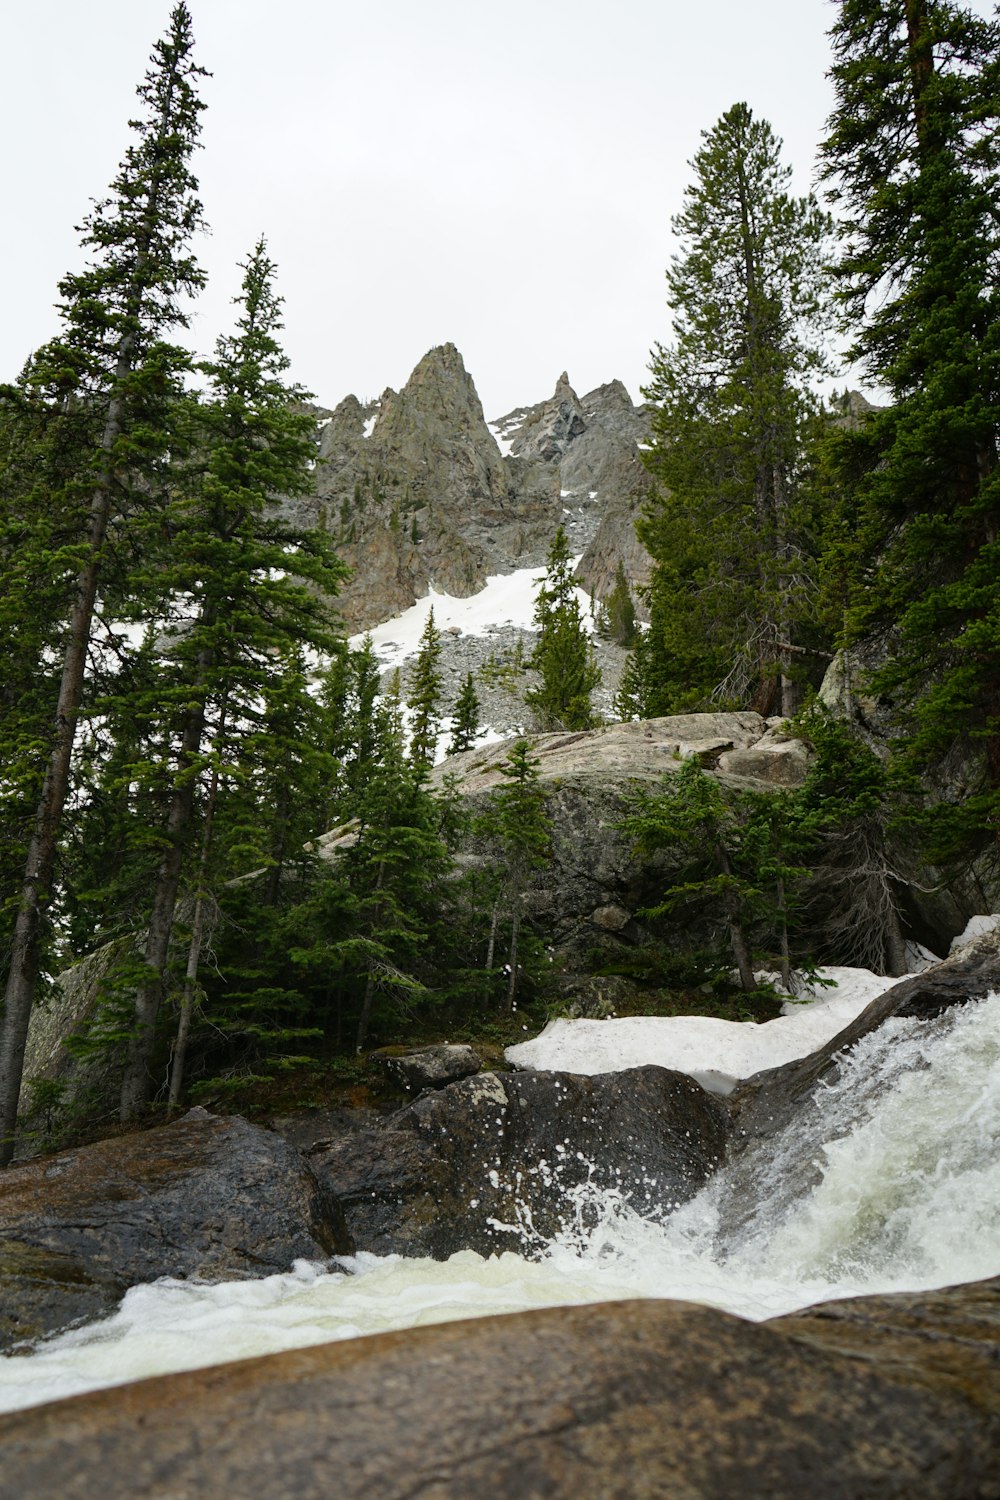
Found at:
<point>466,719</point>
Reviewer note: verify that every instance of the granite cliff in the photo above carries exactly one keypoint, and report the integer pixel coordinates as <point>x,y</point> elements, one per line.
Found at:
<point>418,489</point>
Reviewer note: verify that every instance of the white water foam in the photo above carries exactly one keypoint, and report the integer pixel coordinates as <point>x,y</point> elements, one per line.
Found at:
<point>901,1190</point>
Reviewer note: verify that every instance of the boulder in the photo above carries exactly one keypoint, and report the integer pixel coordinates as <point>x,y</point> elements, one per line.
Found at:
<point>882,1397</point>
<point>777,759</point>
<point>204,1196</point>
<point>507,1161</point>
<point>433,1067</point>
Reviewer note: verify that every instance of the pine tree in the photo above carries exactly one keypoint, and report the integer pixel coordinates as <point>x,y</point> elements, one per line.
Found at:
<point>632,700</point>
<point>246,582</point>
<point>563,654</point>
<point>519,828</point>
<point>394,871</point>
<point>111,362</point>
<point>424,699</point>
<point>620,610</point>
<point>913,158</point>
<point>466,719</point>
<point>692,817</point>
<point>728,592</point>
<point>845,815</point>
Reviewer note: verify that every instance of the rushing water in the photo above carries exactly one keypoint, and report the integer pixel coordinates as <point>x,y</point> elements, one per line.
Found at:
<point>889,1180</point>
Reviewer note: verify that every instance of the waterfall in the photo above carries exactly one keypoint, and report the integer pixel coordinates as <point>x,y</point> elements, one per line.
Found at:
<point>888,1180</point>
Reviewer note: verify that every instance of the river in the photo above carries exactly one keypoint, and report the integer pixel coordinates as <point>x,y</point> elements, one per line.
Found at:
<point>889,1181</point>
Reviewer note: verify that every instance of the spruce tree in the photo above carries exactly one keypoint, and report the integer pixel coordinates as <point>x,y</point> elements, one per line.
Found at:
<point>620,610</point>
<point>394,872</point>
<point>693,818</point>
<point>913,160</point>
<point>729,590</point>
<point>466,719</point>
<point>563,655</point>
<point>518,826</point>
<point>113,363</point>
<point>241,585</point>
<point>632,700</point>
<point>424,698</point>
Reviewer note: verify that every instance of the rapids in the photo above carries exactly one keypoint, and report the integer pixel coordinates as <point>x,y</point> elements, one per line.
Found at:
<point>890,1180</point>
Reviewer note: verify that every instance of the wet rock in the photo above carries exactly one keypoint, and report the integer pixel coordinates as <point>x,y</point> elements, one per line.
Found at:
<point>500,1162</point>
<point>885,1397</point>
<point>434,1067</point>
<point>204,1196</point>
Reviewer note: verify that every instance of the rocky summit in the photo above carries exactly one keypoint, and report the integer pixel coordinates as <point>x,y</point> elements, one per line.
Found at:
<point>418,489</point>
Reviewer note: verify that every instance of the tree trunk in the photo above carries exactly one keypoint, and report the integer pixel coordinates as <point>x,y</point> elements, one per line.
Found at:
<point>369,995</point>
<point>272,886</point>
<point>895,943</point>
<point>921,56</point>
<point>366,1011</point>
<point>492,945</point>
<point>786,965</point>
<point>36,889</point>
<point>737,936</point>
<point>40,866</point>
<point>515,933</point>
<point>137,1080</point>
<point>198,926</point>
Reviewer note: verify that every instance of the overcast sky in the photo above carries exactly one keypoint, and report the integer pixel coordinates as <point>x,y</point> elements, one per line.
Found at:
<point>500,176</point>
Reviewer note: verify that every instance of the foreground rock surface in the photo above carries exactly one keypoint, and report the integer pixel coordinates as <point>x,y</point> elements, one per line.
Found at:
<point>882,1397</point>
<point>505,1161</point>
<point>202,1197</point>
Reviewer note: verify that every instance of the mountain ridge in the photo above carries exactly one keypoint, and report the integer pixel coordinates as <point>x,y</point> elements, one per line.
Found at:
<point>419,490</point>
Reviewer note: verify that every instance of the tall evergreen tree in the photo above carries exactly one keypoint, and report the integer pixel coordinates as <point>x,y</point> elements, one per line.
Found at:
<point>245,582</point>
<point>465,727</point>
<point>728,592</point>
<point>913,160</point>
<point>691,816</point>
<point>112,362</point>
<point>424,699</point>
<point>563,655</point>
<point>517,823</point>
<point>618,611</point>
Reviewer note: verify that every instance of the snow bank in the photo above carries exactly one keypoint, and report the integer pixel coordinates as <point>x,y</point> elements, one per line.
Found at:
<point>508,599</point>
<point>976,927</point>
<point>715,1053</point>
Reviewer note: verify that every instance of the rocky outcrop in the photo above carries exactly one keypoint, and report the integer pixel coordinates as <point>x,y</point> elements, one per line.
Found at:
<point>202,1197</point>
<point>617,754</point>
<point>417,491</point>
<point>880,1397</point>
<point>594,888</point>
<point>507,1161</point>
<point>591,893</point>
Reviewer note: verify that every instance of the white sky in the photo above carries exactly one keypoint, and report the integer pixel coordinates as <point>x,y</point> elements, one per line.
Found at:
<point>502,177</point>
